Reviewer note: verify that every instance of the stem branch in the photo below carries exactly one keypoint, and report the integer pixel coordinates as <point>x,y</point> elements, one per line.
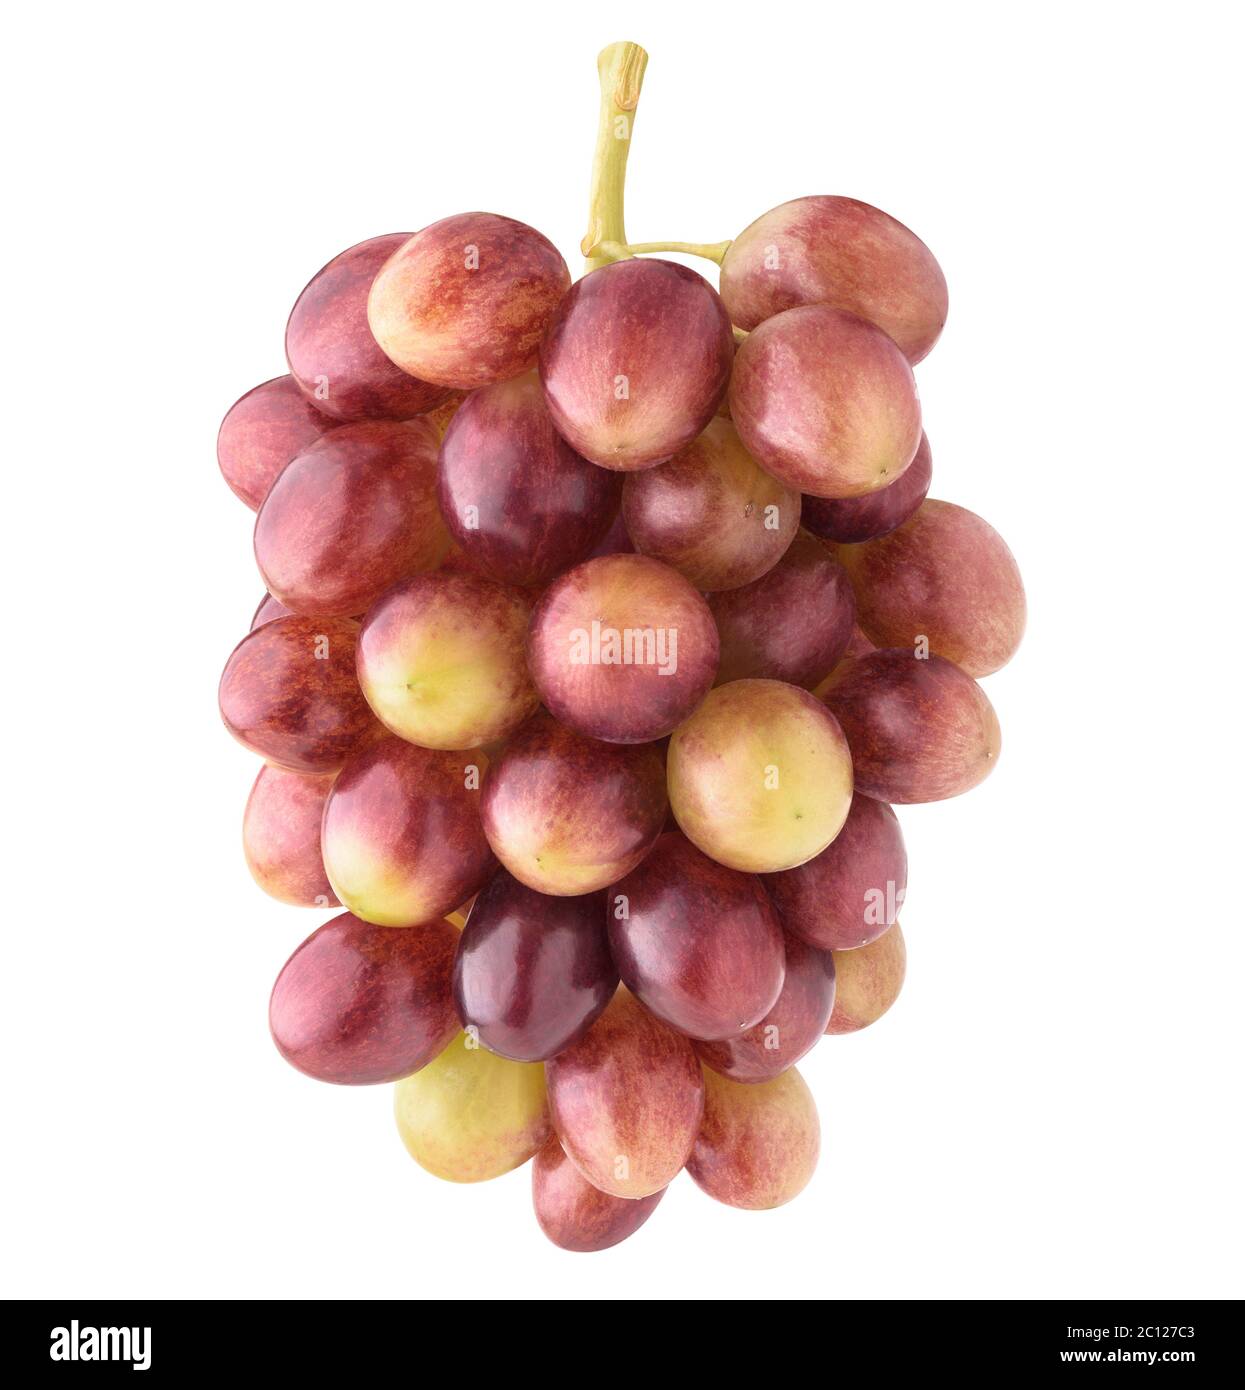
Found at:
<point>709,251</point>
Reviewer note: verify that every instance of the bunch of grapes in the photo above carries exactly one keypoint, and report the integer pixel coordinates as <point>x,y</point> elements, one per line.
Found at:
<point>604,623</point>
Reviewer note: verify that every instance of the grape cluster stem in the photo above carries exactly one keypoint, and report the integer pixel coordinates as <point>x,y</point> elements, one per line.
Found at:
<point>621,67</point>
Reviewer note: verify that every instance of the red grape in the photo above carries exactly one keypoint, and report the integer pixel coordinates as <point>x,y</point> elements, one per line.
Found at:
<point>358,1004</point>
<point>519,500</point>
<point>868,981</point>
<point>760,777</point>
<point>793,624</point>
<point>333,357</point>
<point>532,972</point>
<point>945,575</point>
<point>851,892</point>
<point>262,432</point>
<point>626,1100</point>
<point>568,814</point>
<point>622,648</point>
<point>402,838</point>
<point>711,512</point>
<point>470,1115</point>
<point>351,516</point>
<point>698,944</point>
<point>876,513</point>
<point>573,1213</point>
<point>289,693</point>
<point>636,362</point>
<point>758,1144</point>
<point>919,728</point>
<point>281,836</point>
<point>825,402</point>
<point>794,1025</point>
<point>442,660</point>
<point>466,301</point>
<point>843,252</point>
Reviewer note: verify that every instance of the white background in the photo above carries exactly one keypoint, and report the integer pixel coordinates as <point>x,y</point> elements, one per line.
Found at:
<point>1054,1106</point>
